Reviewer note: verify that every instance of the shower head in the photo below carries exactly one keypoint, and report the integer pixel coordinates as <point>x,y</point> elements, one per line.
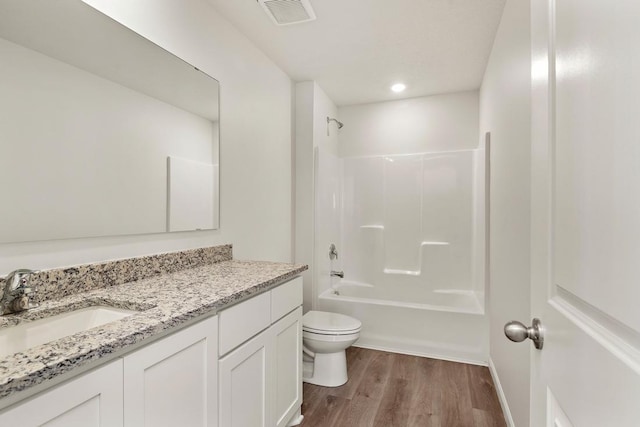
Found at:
<point>330,119</point>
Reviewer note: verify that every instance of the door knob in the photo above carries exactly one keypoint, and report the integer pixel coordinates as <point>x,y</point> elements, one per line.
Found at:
<point>518,332</point>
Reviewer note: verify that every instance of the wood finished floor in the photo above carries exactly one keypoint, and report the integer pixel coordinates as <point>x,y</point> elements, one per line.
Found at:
<point>390,390</point>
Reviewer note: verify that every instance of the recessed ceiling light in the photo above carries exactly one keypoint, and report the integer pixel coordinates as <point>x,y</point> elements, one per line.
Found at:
<point>398,87</point>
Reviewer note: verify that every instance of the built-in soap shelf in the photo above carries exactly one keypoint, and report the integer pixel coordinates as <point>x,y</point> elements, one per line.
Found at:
<point>403,272</point>
<point>422,245</point>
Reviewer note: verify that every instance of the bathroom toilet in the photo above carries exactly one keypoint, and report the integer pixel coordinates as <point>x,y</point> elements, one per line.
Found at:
<point>325,337</point>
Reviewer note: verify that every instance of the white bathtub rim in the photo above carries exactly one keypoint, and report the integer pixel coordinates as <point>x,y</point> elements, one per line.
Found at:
<point>330,295</point>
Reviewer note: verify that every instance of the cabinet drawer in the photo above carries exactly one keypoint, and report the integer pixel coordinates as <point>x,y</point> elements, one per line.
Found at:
<point>242,321</point>
<point>285,298</point>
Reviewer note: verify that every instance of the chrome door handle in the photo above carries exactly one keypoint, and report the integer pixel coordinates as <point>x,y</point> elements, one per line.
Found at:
<point>518,332</point>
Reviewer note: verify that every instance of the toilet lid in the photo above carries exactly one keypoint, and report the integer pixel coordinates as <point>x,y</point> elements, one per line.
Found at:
<point>323,322</point>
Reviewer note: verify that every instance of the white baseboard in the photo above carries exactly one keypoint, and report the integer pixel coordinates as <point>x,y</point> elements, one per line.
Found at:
<point>393,349</point>
<point>503,399</point>
<point>296,419</point>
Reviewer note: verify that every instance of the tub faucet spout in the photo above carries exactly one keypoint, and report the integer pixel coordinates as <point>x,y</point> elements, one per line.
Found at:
<point>339,274</point>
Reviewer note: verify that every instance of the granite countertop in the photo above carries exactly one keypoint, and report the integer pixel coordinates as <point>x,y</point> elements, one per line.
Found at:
<point>167,301</point>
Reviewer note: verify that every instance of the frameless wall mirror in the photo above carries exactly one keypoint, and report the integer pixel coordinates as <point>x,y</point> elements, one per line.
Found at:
<point>102,132</point>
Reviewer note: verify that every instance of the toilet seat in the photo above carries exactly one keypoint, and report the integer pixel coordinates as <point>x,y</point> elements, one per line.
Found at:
<point>325,323</point>
<point>329,333</point>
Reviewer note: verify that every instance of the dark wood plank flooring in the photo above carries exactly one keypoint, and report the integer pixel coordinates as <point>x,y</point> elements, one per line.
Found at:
<point>392,390</point>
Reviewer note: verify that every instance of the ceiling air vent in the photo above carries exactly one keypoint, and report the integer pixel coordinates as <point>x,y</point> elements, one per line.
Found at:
<point>286,12</point>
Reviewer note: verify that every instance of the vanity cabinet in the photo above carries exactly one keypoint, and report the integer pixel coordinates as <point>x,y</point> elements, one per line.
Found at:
<point>240,368</point>
<point>260,380</point>
<point>170,382</point>
<point>92,399</point>
<point>173,382</point>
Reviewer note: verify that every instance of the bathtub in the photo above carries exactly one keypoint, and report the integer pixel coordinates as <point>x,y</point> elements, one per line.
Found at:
<point>442,324</point>
<point>456,301</point>
<point>410,230</point>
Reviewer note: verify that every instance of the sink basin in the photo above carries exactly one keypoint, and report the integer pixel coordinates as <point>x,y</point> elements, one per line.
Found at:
<point>30,334</point>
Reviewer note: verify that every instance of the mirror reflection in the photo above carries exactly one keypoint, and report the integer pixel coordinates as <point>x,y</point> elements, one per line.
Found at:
<point>102,132</point>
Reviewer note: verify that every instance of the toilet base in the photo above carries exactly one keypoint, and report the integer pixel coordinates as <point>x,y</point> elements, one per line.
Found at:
<point>329,370</point>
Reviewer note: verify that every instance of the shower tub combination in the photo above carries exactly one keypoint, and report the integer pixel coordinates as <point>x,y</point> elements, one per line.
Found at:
<point>410,232</point>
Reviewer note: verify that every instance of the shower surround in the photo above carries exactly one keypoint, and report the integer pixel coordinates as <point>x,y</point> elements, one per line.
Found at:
<point>410,231</point>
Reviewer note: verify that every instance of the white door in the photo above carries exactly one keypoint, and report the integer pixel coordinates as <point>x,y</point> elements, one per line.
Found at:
<point>586,212</point>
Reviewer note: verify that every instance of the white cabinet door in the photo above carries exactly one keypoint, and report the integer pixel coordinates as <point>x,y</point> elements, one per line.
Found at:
<point>287,367</point>
<point>93,399</point>
<point>244,382</point>
<point>173,382</point>
<point>586,212</point>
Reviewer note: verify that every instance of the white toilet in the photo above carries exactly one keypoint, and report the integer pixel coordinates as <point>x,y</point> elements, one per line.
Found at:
<point>325,337</point>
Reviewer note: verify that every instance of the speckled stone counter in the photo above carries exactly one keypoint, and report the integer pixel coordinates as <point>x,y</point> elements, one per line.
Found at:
<point>166,300</point>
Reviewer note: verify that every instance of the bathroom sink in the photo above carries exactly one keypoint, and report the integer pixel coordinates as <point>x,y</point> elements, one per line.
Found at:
<point>21,337</point>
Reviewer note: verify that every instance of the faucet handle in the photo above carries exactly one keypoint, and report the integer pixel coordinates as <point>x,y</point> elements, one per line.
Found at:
<point>333,252</point>
<point>14,297</point>
<point>19,280</point>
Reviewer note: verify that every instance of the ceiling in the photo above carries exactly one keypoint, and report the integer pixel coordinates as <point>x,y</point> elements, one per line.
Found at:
<point>356,49</point>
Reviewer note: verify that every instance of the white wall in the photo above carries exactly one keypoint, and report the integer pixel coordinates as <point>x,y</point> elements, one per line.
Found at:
<point>325,135</point>
<point>327,194</point>
<point>255,142</point>
<point>304,200</point>
<point>505,112</point>
<point>414,125</point>
<point>328,218</point>
<point>312,108</point>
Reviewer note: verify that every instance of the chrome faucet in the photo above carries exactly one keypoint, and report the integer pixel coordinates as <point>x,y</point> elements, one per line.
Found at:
<point>15,296</point>
<point>339,274</point>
